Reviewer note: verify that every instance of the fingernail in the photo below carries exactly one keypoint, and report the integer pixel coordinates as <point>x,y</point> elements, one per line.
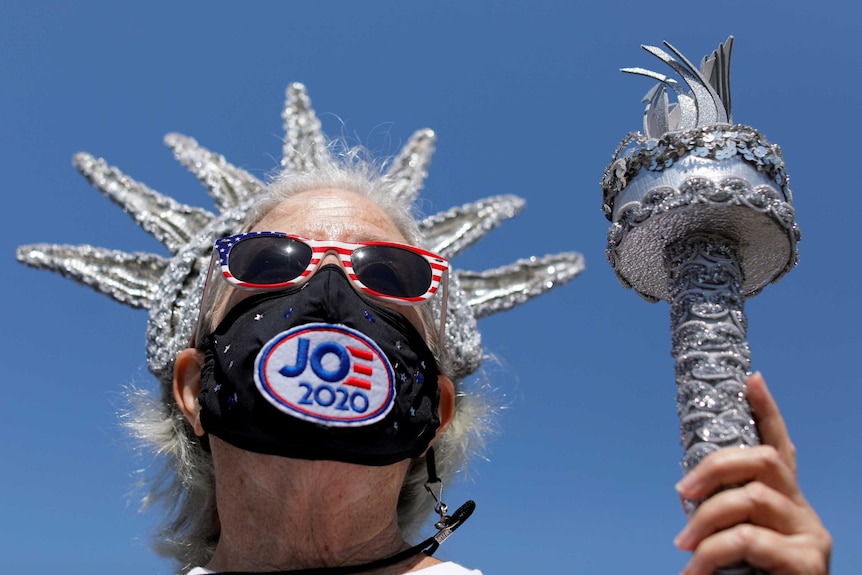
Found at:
<point>688,484</point>
<point>683,539</point>
<point>688,570</point>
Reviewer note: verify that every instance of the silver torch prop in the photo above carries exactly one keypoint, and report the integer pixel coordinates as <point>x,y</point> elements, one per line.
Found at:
<point>701,217</point>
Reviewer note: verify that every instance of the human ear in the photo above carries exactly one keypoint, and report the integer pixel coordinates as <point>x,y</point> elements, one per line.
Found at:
<point>187,386</point>
<point>446,408</point>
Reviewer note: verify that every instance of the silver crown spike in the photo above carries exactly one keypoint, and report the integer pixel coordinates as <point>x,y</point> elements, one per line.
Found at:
<point>502,288</point>
<point>701,217</point>
<point>170,222</point>
<point>451,232</point>
<point>227,185</point>
<point>409,170</point>
<point>304,142</point>
<point>128,278</point>
<point>171,287</point>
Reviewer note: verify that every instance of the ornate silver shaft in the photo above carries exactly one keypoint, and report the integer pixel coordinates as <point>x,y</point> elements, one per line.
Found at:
<point>708,328</point>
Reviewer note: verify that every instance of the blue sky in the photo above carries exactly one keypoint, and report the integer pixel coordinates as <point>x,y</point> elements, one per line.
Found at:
<point>525,98</point>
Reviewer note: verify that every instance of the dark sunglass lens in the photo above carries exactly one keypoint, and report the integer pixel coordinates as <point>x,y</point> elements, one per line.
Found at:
<point>392,270</point>
<point>268,260</point>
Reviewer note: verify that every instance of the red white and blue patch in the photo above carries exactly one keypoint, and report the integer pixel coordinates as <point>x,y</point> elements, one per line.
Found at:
<point>328,374</point>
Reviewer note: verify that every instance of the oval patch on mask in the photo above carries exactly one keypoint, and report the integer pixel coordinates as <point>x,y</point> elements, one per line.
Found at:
<point>328,374</point>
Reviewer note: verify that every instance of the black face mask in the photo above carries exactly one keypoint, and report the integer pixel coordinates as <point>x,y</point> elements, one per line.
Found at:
<point>320,373</point>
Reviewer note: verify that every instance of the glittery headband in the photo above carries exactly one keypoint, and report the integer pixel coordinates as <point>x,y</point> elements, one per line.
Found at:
<point>691,154</point>
<point>170,287</point>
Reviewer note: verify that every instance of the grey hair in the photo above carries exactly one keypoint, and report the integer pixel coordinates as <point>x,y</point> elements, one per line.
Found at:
<point>184,480</point>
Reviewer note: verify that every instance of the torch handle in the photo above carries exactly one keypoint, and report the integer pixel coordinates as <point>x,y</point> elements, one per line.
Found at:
<point>712,356</point>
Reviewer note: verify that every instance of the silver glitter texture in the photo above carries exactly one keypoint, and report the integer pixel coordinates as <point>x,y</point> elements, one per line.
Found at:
<point>171,223</point>
<point>227,185</point>
<point>701,216</point>
<point>170,287</point>
<point>128,278</point>
<point>700,197</point>
<point>491,291</point>
<point>719,142</point>
<point>712,356</point>
<point>701,177</point>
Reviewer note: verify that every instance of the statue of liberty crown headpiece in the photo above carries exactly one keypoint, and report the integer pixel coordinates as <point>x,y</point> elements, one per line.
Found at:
<point>170,287</point>
<point>692,169</point>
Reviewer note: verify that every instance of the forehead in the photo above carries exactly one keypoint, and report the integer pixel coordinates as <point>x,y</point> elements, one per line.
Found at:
<point>331,214</point>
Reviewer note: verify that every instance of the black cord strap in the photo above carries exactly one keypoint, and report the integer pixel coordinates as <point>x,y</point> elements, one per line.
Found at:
<point>429,546</point>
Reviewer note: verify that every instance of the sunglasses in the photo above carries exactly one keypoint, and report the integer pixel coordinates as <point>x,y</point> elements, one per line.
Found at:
<point>389,271</point>
<point>384,270</point>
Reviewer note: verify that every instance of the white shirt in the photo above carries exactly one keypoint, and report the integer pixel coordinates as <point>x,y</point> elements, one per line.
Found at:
<point>445,568</point>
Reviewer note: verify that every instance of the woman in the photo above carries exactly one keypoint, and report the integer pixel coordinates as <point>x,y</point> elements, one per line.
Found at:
<point>330,497</point>
<point>346,488</point>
